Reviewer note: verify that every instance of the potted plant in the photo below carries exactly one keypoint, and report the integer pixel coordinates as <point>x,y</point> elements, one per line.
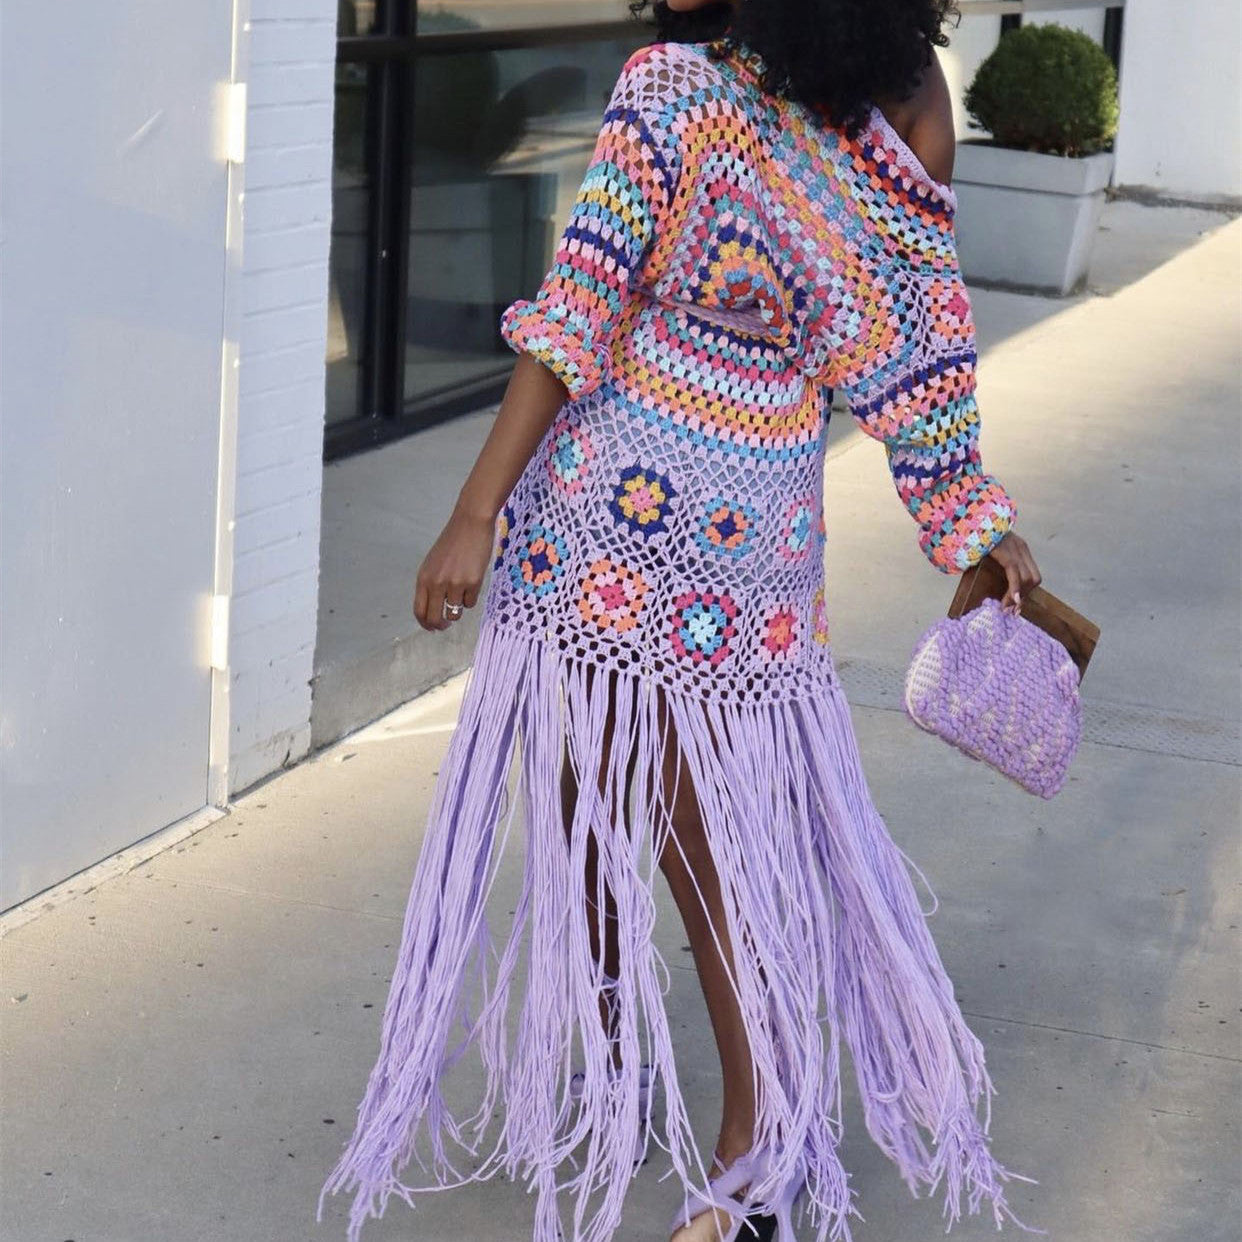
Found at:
<point>1030,197</point>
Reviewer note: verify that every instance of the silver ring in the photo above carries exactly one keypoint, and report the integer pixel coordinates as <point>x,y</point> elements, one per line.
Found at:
<point>451,611</point>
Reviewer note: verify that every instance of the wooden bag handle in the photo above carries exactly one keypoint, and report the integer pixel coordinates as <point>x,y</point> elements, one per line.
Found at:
<point>1054,616</point>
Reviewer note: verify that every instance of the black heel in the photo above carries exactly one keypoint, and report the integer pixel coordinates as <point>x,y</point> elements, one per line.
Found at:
<point>764,1227</point>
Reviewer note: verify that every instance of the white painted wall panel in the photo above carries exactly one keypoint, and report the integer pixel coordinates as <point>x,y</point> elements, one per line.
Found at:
<point>113,198</point>
<point>970,44</point>
<point>1181,120</point>
<point>283,341</point>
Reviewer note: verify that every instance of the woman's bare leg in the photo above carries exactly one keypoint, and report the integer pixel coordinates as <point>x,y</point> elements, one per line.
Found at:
<point>687,864</point>
<point>607,926</point>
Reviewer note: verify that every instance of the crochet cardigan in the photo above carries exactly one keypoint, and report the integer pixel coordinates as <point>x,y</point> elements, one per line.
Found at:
<point>840,254</point>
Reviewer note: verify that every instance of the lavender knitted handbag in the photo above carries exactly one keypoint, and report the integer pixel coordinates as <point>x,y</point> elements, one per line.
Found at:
<point>1000,689</point>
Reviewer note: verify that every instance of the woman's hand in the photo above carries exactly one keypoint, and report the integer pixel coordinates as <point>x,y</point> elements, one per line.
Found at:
<point>1013,555</point>
<point>452,572</point>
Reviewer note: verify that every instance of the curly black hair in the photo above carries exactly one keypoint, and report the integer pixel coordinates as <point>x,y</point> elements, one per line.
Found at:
<point>837,57</point>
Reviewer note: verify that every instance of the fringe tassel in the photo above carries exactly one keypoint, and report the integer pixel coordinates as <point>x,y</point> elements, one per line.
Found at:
<point>828,938</point>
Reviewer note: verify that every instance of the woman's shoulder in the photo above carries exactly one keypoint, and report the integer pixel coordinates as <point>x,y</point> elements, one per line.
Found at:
<point>665,72</point>
<point>920,128</point>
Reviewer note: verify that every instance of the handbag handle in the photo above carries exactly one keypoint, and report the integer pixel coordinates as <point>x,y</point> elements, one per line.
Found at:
<point>987,579</point>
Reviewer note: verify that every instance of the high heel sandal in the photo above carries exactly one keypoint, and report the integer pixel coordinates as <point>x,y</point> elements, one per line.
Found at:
<point>747,1170</point>
<point>646,1081</point>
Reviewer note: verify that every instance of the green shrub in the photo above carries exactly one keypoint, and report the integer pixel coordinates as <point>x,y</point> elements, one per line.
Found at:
<point>1046,88</point>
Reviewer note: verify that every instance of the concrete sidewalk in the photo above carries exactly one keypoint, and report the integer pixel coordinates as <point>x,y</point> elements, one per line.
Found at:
<point>184,1045</point>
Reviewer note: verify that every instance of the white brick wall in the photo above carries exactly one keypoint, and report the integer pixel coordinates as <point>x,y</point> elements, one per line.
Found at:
<point>286,217</point>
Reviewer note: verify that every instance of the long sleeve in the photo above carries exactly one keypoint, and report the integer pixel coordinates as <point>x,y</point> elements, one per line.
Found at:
<point>618,211</point>
<point>917,397</point>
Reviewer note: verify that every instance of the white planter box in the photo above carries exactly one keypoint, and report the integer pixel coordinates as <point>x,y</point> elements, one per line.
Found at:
<point>1026,219</point>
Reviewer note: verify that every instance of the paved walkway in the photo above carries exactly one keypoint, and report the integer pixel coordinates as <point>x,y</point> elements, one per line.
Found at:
<point>183,1046</point>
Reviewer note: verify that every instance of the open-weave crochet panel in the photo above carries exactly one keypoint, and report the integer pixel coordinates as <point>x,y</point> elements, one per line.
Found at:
<point>728,262</point>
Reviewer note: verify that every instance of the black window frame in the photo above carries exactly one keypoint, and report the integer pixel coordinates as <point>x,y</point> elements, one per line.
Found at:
<point>393,49</point>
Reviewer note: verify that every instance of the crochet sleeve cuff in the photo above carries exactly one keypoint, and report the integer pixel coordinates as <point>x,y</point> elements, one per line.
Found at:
<point>570,323</point>
<point>563,341</point>
<point>964,520</point>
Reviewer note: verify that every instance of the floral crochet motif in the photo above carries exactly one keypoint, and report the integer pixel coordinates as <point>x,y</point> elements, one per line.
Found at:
<point>612,596</point>
<point>702,626</point>
<point>541,562</point>
<point>800,526</point>
<point>780,633</point>
<point>641,500</point>
<point>504,528</point>
<point>569,455</point>
<point>727,527</point>
<point>819,618</point>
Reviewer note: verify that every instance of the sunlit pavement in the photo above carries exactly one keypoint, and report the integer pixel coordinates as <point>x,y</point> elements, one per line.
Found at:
<point>184,1045</point>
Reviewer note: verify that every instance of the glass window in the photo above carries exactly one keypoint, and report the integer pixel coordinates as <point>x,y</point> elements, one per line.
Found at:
<point>348,259</point>
<point>355,17</point>
<point>462,131</point>
<point>501,142</point>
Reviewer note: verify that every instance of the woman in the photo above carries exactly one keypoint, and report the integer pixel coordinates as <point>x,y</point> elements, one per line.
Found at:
<point>766,218</point>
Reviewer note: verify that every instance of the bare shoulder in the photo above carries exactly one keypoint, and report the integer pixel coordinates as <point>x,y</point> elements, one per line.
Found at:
<point>932,137</point>
<point>925,122</point>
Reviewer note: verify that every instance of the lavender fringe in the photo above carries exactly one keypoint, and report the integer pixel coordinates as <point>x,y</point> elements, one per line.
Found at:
<point>828,936</point>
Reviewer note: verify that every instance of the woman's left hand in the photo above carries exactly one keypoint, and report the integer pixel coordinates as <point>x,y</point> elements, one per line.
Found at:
<point>1014,557</point>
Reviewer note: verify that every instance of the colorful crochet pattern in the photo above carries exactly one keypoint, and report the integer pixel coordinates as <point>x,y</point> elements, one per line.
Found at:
<point>659,582</point>
<point>728,263</point>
